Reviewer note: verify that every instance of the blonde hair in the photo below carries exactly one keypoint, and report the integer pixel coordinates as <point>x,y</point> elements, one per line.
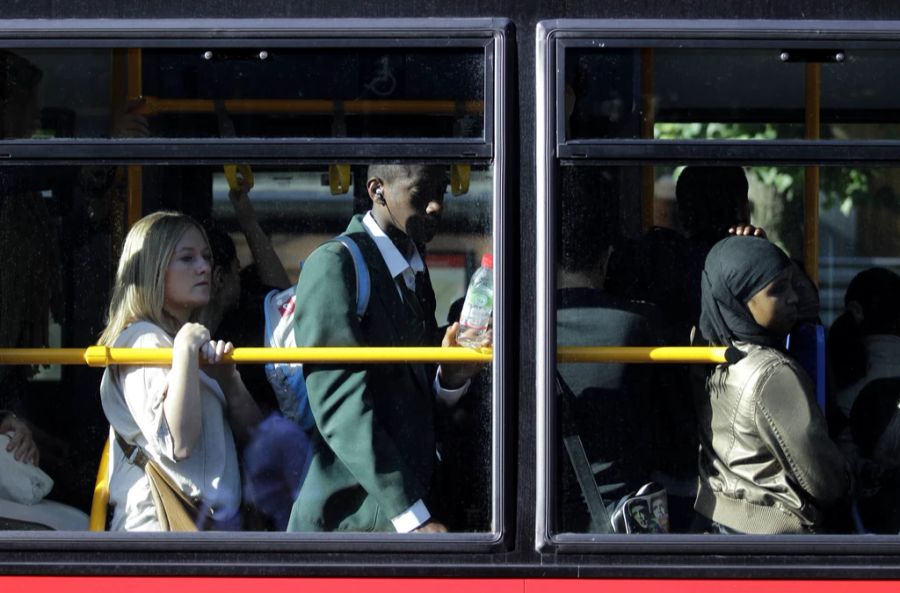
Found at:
<point>139,291</point>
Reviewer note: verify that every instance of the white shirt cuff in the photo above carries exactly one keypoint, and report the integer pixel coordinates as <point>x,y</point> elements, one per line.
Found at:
<point>412,518</point>
<point>449,396</point>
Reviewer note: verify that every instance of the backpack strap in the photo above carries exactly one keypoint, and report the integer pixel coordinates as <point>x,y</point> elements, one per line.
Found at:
<point>363,282</point>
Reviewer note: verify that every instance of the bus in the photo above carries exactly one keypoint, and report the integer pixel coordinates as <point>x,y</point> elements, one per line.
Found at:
<point>111,113</point>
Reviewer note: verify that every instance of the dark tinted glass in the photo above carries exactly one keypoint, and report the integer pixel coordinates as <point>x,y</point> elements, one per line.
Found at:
<point>730,94</point>
<point>626,425</point>
<point>61,233</point>
<point>245,93</point>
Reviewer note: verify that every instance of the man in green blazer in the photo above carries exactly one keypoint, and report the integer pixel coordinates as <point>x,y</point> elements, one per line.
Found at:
<point>374,447</point>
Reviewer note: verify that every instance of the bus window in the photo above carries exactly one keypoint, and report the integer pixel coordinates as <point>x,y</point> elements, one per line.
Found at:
<point>856,214</point>
<point>650,173</point>
<point>729,94</point>
<point>645,290</point>
<point>260,144</point>
<point>241,92</point>
<point>62,233</point>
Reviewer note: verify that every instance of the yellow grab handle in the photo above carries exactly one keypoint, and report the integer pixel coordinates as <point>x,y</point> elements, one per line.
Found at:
<point>231,175</point>
<point>460,175</point>
<point>339,179</point>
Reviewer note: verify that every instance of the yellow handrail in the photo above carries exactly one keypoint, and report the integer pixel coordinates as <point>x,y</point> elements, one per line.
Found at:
<point>101,356</point>
<point>640,354</point>
<point>101,493</point>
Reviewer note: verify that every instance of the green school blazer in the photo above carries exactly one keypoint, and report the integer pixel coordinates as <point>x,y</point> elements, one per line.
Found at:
<point>374,443</point>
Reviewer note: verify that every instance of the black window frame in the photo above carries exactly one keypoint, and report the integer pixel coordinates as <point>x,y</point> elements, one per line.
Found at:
<point>312,552</point>
<point>261,34</point>
<point>553,150</point>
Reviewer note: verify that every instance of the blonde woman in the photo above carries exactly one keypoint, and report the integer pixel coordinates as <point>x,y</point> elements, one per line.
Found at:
<point>184,418</point>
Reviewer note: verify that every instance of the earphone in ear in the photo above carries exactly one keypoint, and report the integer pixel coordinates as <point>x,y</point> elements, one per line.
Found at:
<point>380,193</point>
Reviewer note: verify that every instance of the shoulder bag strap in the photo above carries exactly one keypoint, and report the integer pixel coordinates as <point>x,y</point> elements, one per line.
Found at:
<point>600,521</point>
<point>136,456</point>
<point>133,454</point>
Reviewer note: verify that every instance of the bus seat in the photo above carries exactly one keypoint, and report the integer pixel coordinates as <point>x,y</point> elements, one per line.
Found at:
<point>101,492</point>
<point>806,343</point>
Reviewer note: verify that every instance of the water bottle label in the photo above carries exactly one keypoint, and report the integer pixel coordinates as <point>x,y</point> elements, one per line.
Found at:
<point>476,313</point>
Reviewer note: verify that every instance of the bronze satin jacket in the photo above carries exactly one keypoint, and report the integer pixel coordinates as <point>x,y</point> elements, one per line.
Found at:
<point>766,462</point>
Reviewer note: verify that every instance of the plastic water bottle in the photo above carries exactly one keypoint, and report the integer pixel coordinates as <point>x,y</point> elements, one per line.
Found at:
<point>475,319</point>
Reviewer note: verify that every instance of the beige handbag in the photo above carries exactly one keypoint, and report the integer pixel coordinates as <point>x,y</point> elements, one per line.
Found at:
<point>175,510</point>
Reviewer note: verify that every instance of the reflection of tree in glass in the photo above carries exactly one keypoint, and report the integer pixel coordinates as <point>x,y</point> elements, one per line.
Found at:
<point>776,192</point>
<point>841,189</point>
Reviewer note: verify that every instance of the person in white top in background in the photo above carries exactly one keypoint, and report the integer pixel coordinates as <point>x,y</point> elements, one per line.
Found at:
<point>864,341</point>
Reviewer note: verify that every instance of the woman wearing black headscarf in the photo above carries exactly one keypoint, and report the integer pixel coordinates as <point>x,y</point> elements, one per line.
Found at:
<point>766,462</point>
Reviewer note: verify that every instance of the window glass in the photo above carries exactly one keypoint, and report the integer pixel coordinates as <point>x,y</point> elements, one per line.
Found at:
<point>244,93</point>
<point>728,94</point>
<point>684,93</point>
<point>622,426</point>
<point>858,210</point>
<point>61,236</point>
<point>856,97</point>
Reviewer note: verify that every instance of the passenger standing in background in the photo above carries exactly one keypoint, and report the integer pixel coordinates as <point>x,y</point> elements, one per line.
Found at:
<point>875,430</point>
<point>182,417</point>
<point>619,411</point>
<point>864,357</point>
<point>235,312</point>
<point>766,463</point>
<point>864,341</point>
<point>275,457</point>
<point>664,266</point>
<point>374,456</point>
